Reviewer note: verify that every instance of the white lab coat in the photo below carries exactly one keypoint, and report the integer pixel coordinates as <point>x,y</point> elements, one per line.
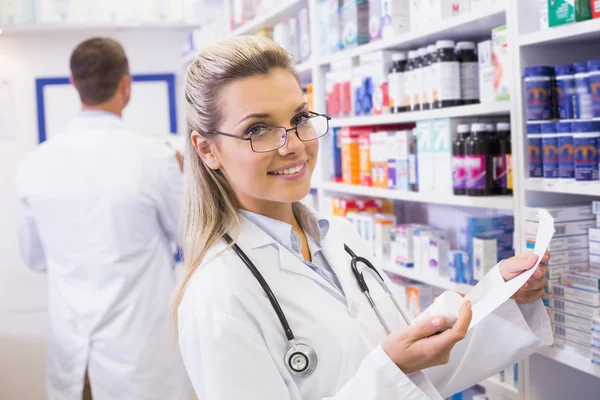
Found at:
<point>99,210</point>
<point>233,345</point>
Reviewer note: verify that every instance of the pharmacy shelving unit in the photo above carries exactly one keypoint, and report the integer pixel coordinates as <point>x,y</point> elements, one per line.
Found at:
<point>48,29</point>
<point>528,46</point>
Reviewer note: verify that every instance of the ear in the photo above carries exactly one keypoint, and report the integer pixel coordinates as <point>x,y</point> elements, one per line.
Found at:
<point>72,82</point>
<point>205,150</point>
<point>126,85</point>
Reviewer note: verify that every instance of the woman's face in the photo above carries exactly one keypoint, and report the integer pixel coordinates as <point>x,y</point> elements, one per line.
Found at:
<point>248,106</point>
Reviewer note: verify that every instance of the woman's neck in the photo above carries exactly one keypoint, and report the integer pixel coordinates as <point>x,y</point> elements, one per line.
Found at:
<point>280,211</point>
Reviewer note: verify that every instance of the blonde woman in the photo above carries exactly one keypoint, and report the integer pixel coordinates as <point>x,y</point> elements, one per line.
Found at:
<point>280,314</point>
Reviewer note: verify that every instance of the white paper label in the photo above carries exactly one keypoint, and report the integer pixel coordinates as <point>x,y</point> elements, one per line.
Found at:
<point>448,80</point>
<point>469,81</point>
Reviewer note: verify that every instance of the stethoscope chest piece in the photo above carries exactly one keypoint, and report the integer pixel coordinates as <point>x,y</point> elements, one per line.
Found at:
<point>301,359</point>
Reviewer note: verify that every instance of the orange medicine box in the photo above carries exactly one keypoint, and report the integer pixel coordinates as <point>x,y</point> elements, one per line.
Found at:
<point>364,149</point>
<point>350,156</point>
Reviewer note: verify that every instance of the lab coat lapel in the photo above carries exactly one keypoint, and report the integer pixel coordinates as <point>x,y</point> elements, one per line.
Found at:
<point>254,240</point>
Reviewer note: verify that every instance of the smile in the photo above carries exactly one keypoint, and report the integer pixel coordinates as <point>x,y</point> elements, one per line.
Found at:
<point>289,171</point>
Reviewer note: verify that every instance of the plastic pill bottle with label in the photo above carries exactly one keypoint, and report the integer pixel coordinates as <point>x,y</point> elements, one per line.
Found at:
<point>459,172</point>
<point>409,79</point>
<point>419,81</point>
<point>479,162</point>
<point>585,142</point>
<point>538,89</point>
<point>469,72</point>
<point>397,83</point>
<point>430,75</point>
<point>566,162</point>
<point>583,99</point>
<point>549,150</point>
<point>426,83</point>
<point>447,72</point>
<point>594,83</point>
<point>534,149</point>
<point>564,91</point>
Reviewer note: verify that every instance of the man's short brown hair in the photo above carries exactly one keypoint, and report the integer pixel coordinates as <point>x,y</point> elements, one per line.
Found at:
<point>97,67</point>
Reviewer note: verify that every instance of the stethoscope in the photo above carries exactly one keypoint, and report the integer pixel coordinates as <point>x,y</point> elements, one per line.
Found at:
<point>300,359</point>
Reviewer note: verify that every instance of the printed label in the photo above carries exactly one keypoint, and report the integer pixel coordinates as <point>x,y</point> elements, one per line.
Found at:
<point>534,151</point>
<point>459,172</point>
<point>509,169</point>
<point>595,93</point>
<point>566,162</point>
<point>586,159</point>
<point>476,172</point>
<point>500,172</point>
<point>550,157</point>
<point>583,99</point>
<point>539,100</point>
<point>417,89</point>
<point>469,81</point>
<point>448,80</point>
<point>565,96</point>
<point>408,89</point>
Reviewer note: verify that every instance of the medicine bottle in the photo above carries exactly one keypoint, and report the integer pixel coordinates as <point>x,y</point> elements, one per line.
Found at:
<point>410,80</point>
<point>425,64</point>
<point>479,162</point>
<point>417,81</point>
<point>503,174</point>
<point>430,77</point>
<point>469,72</point>
<point>459,172</point>
<point>397,83</point>
<point>447,70</point>
<point>413,164</point>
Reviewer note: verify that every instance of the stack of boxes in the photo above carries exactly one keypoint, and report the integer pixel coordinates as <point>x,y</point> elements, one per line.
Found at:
<point>483,241</point>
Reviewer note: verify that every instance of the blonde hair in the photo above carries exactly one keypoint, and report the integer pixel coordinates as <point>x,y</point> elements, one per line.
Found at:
<point>210,204</point>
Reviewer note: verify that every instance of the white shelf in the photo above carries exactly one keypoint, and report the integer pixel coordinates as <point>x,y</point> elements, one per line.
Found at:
<point>494,202</point>
<point>474,110</point>
<point>504,389</point>
<point>473,25</point>
<point>572,359</point>
<point>279,14</point>
<point>70,28</point>
<point>563,186</point>
<point>570,33</point>
<point>410,273</point>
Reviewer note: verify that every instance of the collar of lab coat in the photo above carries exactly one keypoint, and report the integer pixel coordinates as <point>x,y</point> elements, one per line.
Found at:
<point>255,242</point>
<point>96,122</point>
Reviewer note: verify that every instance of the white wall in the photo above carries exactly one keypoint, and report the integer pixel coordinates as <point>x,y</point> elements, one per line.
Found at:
<point>23,58</point>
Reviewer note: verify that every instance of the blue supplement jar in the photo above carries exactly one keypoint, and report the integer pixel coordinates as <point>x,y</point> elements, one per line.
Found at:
<point>534,145</point>
<point>538,89</point>
<point>585,143</point>
<point>549,150</point>
<point>583,99</point>
<point>566,162</point>
<point>594,84</point>
<point>564,91</point>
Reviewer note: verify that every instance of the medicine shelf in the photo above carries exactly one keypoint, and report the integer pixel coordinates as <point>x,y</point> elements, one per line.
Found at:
<point>571,359</point>
<point>91,26</point>
<point>563,186</point>
<point>504,389</point>
<point>474,25</point>
<point>570,33</point>
<point>280,13</point>
<point>493,202</point>
<point>440,282</point>
<point>474,110</point>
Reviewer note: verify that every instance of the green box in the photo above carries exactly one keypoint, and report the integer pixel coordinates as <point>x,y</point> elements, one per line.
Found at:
<point>561,12</point>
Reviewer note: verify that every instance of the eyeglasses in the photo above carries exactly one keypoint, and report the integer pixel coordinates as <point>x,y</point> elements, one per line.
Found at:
<point>271,138</point>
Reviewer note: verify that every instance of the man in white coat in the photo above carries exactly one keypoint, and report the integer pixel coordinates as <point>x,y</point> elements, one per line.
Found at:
<point>99,211</point>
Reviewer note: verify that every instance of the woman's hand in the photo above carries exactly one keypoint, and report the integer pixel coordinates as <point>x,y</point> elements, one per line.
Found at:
<point>418,347</point>
<point>533,289</point>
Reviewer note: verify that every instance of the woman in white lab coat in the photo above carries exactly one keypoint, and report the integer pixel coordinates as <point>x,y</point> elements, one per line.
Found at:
<point>251,155</point>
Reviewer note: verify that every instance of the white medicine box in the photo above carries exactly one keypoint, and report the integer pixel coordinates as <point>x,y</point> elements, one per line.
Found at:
<point>485,257</point>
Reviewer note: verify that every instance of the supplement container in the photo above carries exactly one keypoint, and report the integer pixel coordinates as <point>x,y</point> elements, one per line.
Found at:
<point>564,91</point>
<point>549,150</point>
<point>566,162</point>
<point>480,175</point>
<point>469,72</point>
<point>447,72</point>
<point>583,99</point>
<point>426,66</point>
<point>503,177</point>
<point>585,143</point>
<point>413,165</point>
<point>430,77</point>
<point>459,172</point>
<point>538,92</point>
<point>534,149</point>
<point>397,84</point>
<point>418,80</point>
<point>594,83</point>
